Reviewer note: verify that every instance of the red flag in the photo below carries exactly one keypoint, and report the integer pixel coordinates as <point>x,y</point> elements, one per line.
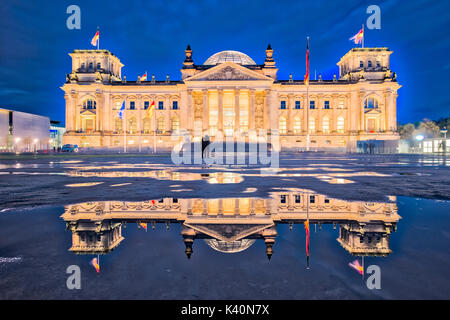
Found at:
<point>95,264</point>
<point>357,266</point>
<point>307,62</point>
<point>143,225</point>
<point>95,39</point>
<point>358,38</point>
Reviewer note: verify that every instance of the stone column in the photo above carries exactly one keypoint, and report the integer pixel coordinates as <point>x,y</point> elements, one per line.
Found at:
<point>305,124</point>
<point>77,115</point>
<point>386,112</point>
<point>267,110</point>
<point>251,119</point>
<point>190,113</point>
<point>290,127</point>
<point>205,111</point>
<point>349,125</point>
<point>334,105</point>
<point>319,107</point>
<point>273,111</point>
<point>183,110</point>
<point>361,108</point>
<point>68,100</point>
<point>220,108</point>
<point>167,113</point>
<point>236,111</point>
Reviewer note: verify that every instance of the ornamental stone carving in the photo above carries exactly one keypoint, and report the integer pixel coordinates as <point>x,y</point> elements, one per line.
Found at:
<point>229,73</point>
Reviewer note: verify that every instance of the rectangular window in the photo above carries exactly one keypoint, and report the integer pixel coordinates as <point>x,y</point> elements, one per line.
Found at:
<point>369,64</point>
<point>283,105</point>
<point>312,104</point>
<point>175,105</point>
<point>361,64</point>
<point>297,198</point>
<point>378,64</point>
<point>283,198</point>
<point>146,104</point>
<point>327,200</point>
<point>297,104</point>
<point>326,104</point>
<point>132,105</point>
<point>312,199</point>
<point>160,105</point>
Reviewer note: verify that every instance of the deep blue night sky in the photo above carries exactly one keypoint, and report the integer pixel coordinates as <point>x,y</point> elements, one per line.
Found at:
<point>152,35</point>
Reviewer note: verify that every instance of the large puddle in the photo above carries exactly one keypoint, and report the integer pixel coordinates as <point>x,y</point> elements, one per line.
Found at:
<point>228,248</point>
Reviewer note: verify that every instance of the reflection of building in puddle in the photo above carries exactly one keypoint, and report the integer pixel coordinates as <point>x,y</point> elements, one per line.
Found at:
<point>233,224</point>
<point>334,180</point>
<point>215,177</point>
<point>86,184</point>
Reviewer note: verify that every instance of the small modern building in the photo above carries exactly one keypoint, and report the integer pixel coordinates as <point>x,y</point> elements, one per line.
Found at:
<point>435,145</point>
<point>56,134</point>
<point>23,132</point>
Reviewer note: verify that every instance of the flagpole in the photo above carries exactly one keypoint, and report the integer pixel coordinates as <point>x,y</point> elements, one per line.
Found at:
<point>125,129</point>
<point>363,267</point>
<point>307,100</point>
<point>154,131</point>
<point>98,41</point>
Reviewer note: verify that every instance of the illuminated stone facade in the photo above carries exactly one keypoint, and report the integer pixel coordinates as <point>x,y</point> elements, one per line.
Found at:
<point>231,95</point>
<point>233,224</point>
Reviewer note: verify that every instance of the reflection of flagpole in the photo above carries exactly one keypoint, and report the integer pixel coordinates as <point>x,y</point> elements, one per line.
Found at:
<point>307,97</point>
<point>307,231</point>
<point>363,267</point>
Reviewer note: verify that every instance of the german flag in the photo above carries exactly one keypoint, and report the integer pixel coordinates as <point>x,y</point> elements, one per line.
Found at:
<point>95,39</point>
<point>307,62</point>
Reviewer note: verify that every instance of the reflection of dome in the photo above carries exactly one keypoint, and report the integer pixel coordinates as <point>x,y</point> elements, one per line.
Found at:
<point>229,55</point>
<point>229,247</point>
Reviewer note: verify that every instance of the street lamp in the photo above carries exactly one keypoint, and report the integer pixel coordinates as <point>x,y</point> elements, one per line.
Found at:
<point>444,144</point>
<point>420,138</point>
<point>16,140</point>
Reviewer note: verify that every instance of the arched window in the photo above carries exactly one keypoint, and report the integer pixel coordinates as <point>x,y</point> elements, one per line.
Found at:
<point>132,125</point>
<point>326,125</point>
<point>371,103</point>
<point>161,124</point>
<point>340,124</point>
<point>297,125</point>
<point>118,125</point>
<point>312,125</point>
<point>175,124</point>
<point>146,125</point>
<point>282,126</point>
<point>89,104</point>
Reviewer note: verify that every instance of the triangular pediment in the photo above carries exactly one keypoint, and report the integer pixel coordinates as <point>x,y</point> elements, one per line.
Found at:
<point>372,111</point>
<point>228,71</point>
<point>228,232</point>
<point>88,112</point>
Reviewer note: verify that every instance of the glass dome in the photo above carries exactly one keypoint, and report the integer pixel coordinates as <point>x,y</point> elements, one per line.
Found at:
<point>229,247</point>
<point>229,55</point>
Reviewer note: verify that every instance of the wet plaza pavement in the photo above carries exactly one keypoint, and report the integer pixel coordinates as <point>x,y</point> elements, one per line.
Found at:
<point>161,231</point>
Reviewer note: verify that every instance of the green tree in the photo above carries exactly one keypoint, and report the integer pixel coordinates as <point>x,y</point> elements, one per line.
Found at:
<point>429,129</point>
<point>406,131</point>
